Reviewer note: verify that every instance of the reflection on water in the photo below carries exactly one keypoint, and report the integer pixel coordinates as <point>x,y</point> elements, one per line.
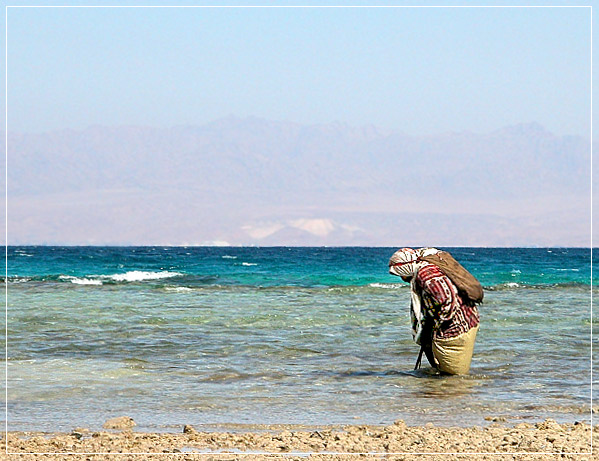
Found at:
<point>450,387</point>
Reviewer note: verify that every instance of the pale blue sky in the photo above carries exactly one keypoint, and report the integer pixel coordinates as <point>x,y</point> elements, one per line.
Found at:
<point>415,70</point>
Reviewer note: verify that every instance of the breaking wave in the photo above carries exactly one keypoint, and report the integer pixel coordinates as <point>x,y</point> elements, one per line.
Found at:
<point>179,289</point>
<point>138,276</point>
<point>127,277</point>
<point>388,286</point>
<point>80,281</point>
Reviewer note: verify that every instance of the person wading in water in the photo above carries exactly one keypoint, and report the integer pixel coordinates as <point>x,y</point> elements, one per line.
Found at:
<point>443,309</point>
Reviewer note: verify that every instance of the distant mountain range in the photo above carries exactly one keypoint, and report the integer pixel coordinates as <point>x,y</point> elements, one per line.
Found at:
<point>257,182</point>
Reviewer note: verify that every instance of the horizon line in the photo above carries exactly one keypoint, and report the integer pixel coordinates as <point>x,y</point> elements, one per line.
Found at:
<point>233,117</point>
<point>118,245</point>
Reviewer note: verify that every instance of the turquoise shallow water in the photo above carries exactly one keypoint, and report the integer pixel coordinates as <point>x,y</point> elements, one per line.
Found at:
<point>210,336</point>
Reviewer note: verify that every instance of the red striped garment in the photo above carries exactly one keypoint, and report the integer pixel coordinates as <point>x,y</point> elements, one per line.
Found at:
<point>441,302</point>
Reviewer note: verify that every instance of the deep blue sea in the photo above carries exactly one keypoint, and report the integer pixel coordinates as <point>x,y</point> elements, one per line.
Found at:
<point>219,336</point>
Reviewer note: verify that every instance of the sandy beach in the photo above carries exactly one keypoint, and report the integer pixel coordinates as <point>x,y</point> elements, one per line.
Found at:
<point>524,441</point>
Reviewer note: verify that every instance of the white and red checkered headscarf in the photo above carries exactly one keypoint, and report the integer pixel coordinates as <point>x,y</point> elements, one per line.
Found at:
<point>406,263</point>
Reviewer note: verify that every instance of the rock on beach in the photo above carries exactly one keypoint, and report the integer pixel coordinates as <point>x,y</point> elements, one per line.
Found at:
<point>121,422</point>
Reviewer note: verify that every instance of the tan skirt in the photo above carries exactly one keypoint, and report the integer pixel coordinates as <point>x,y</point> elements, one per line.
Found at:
<point>453,355</point>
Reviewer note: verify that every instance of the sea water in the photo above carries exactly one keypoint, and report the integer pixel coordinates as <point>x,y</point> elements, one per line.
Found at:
<point>216,337</point>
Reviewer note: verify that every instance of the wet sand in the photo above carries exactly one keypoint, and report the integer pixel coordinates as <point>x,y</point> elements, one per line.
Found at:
<point>524,441</point>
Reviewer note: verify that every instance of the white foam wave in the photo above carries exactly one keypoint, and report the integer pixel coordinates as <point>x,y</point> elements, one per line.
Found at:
<point>86,282</point>
<point>512,285</point>
<point>138,276</point>
<point>80,281</point>
<point>19,280</point>
<point>387,286</point>
<point>178,289</point>
<point>229,257</point>
<point>249,264</point>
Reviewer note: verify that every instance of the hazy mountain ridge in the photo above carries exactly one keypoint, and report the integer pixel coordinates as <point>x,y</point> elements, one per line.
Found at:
<point>258,155</point>
<point>253,181</point>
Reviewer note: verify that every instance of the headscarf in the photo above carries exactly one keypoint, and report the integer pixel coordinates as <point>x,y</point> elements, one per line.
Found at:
<point>406,263</point>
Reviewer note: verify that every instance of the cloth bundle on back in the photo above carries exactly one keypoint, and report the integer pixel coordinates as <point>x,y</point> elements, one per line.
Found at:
<point>466,283</point>
<point>443,306</point>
